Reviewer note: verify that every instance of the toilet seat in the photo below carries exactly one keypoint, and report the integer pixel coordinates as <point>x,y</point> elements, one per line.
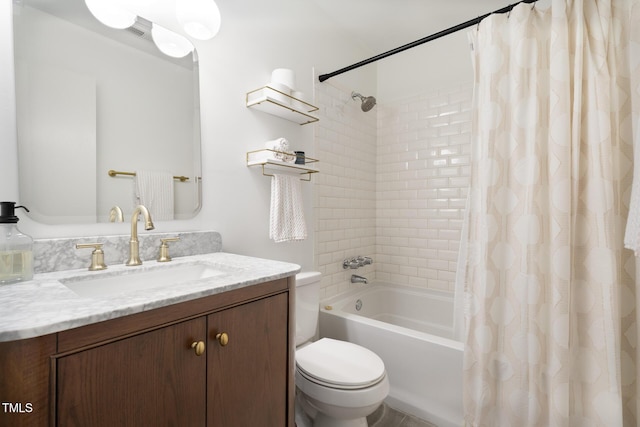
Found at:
<point>339,364</point>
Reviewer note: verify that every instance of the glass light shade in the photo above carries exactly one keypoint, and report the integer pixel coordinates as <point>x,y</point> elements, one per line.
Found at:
<point>199,18</point>
<point>111,14</point>
<point>170,43</point>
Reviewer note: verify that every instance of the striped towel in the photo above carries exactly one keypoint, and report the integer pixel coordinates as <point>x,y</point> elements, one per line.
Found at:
<point>154,190</point>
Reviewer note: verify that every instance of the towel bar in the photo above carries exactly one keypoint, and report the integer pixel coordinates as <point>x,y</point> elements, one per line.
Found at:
<point>113,173</point>
<point>308,173</point>
<point>264,158</point>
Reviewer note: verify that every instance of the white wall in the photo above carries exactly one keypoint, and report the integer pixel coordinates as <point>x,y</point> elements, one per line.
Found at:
<point>440,64</point>
<point>256,37</point>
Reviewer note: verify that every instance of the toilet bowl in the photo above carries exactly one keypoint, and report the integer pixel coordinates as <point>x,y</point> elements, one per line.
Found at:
<point>342,382</point>
<point>338,383</point>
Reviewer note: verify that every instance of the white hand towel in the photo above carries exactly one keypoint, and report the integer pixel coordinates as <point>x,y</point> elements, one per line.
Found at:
<point>287,212</point>
<point>154,190</point>
<point>279,144</point>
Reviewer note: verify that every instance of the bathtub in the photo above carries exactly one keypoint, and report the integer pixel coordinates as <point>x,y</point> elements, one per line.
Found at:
<point>411,330</point>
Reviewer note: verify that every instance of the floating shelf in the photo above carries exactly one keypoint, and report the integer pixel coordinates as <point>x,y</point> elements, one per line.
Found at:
<point>267,160</point>
<point>274,102</point>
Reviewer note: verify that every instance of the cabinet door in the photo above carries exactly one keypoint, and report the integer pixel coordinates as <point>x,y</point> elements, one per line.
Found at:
<point>151,379</point>
<point>247,377</point>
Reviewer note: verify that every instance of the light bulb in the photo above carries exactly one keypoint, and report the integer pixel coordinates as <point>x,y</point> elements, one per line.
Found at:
<point>111,14</point>
<point>170,43</point>
<point>199,18</point>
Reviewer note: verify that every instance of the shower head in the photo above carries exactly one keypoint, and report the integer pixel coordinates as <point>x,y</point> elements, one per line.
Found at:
<point>368,102</point>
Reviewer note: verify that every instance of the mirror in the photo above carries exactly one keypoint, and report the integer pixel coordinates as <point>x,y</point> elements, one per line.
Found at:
<point>91,99</point>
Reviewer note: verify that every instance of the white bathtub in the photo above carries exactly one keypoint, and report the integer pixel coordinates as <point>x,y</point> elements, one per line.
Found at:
<point>410,329</point>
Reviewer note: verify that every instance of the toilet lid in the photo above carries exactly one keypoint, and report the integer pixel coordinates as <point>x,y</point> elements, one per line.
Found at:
<point>339,364</point>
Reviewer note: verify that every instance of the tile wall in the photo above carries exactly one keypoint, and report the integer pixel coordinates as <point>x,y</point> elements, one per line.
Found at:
<point>393,186</point>
<point>423,157</point>
<point>345,190</point>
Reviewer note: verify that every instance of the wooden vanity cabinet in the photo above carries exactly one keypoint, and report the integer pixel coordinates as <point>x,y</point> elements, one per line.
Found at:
<point>224,360</point>
<point>24,381</point>
<point>247,374</point>
<point>153,379</point>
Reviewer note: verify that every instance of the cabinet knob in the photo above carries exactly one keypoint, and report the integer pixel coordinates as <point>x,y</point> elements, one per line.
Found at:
<point>223,338</point>
<point>198,346</point>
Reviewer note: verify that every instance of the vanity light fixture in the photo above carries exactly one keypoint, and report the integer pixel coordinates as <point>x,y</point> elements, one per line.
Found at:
<point>111,14</point>
<point>170,43</point>
<point>199,18</point>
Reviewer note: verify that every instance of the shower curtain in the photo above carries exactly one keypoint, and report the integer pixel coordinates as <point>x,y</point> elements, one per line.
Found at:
<point>551,304</point>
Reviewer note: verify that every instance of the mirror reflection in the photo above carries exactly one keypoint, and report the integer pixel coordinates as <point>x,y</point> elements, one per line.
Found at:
<point>93,99</point>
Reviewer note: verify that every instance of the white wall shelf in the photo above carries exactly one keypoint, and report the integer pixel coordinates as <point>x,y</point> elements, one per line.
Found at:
<point>274,102</point>
<point>272,160</point>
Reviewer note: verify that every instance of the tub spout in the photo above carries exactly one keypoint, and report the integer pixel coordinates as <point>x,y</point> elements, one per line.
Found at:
<point>358,279</point>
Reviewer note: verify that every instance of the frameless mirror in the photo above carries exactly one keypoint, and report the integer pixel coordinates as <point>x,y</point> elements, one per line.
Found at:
<point>92,99</point>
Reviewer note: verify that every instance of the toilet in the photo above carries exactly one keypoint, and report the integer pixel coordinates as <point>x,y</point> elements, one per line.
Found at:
<point>337,383</point>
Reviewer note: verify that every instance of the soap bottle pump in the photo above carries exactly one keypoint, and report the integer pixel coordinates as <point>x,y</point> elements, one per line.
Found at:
<point>16,248</point>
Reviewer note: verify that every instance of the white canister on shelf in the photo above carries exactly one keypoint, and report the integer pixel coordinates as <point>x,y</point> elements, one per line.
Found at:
<point>284,76</point>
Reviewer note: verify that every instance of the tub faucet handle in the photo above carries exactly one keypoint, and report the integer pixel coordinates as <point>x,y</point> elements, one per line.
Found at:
<point>350,263</point>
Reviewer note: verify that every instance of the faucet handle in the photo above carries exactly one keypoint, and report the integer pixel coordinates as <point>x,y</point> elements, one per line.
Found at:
<point>351,263</point>
<point>164,248</point>
<point>97,256</point>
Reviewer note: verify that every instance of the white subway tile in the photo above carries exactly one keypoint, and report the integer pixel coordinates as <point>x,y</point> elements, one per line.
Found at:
<point>408,270</point>
<point>428,273</point>
<point>438,264</point>
<point>447,193</point>
<point>438,244</point>
<point>448,276</point>
<point>459,160</point>
<point>442,285</point>
<point>450,171</point>
<point>462,181</point>
<point>393,184</point>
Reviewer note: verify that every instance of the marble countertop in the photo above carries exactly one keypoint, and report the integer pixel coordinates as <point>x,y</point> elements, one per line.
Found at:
<point>45,305</point>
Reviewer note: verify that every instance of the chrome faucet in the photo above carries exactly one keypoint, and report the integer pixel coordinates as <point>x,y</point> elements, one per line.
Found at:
<point>357,262</point>
<point>134,252</point>
<point>358,279</point>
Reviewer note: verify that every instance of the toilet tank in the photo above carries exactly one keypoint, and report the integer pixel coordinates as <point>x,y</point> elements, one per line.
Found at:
<point>307,305</point>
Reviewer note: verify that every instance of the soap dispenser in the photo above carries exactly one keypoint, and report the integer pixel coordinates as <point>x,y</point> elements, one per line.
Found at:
<point>16,248</point>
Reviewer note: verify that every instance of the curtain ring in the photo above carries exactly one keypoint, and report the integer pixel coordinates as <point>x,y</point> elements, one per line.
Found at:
<point>478,26</point>
<point>509,13</point>
<point>533,4</point>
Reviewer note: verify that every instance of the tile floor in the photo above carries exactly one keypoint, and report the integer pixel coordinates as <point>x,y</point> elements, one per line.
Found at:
<point>385,416</point>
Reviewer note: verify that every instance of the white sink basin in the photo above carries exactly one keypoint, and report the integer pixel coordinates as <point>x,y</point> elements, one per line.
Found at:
<point>107,283</point>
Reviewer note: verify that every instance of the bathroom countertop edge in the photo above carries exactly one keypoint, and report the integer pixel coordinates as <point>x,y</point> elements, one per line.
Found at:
<point>44,305</point>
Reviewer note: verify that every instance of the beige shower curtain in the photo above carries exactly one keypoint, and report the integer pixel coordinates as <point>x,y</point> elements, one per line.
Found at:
<point>550,292</point>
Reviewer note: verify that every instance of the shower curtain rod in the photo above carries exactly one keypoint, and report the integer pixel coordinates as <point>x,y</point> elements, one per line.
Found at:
<point>442,33</point>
